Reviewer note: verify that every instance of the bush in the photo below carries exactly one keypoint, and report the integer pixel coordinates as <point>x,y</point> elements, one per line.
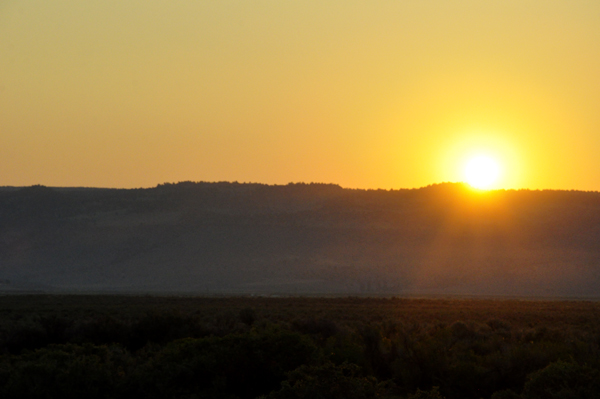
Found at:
<point>506,394</point>
<point>562,380</point>
<point>433,393</point>
<point>102,330</point>
<point>238,365</point>
<point>319,327</point>
<point>248,316</point>
<point>328,381</point>
<point>158,328</point>
<point>65,371</point>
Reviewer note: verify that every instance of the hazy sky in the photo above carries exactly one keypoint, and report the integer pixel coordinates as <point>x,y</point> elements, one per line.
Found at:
<point>367,94</point>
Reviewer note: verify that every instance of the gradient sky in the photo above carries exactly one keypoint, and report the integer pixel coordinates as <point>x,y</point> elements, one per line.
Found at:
<point>366,94</point>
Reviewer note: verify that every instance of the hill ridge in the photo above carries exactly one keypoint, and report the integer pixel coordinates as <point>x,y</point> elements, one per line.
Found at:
<point>300,238</point>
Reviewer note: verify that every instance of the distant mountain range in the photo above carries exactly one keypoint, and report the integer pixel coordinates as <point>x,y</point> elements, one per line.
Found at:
<point>231,238</point>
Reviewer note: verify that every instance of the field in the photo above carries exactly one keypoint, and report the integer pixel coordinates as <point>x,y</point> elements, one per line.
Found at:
<point>248,347</point>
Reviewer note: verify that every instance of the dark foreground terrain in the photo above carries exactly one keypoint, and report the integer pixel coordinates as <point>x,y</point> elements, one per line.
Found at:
<point>244,347</point>
<point>230,238</point>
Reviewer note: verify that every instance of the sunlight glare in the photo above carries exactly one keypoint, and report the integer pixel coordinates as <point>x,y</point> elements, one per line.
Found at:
<point>482,172</point>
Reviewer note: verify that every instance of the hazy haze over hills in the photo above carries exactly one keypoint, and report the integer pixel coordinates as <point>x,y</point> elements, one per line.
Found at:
<point>210,238</point>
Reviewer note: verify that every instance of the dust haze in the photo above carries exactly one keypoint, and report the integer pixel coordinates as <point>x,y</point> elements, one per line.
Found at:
<point>300,239</point>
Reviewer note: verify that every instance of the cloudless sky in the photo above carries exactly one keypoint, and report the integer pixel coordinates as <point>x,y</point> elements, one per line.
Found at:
<point>366,94</point>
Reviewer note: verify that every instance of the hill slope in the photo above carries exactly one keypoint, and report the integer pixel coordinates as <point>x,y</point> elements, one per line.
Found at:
<point>300,238</point>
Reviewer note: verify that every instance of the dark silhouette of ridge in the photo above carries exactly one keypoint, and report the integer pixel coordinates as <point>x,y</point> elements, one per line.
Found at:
<point>238,238</point>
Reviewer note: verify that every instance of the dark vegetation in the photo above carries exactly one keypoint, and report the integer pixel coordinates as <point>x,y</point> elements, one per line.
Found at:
<point>208,238</point>
<point>280,348</point>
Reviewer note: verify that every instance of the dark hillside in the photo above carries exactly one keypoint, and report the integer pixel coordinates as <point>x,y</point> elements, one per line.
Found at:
<point>300,239</point>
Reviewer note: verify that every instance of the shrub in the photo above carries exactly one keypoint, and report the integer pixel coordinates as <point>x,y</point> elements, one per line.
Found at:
<point>328,381</point>
<point>65,371</point>
<point>433,393</point>
<point>248,316</point>
<point>562,380</point>
<point>241,365</point>
<point>506,394</point>
<point>324,328</point>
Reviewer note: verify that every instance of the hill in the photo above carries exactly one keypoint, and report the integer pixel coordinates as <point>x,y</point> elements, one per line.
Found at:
<point>231,238</point>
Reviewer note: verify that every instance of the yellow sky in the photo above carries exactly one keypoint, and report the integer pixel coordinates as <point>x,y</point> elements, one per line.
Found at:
<point>367,94</point>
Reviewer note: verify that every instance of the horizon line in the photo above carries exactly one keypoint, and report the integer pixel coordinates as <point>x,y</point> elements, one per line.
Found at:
<point>467,185</point>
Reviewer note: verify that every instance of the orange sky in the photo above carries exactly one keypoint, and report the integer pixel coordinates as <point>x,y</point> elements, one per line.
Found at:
<point>377,94</point>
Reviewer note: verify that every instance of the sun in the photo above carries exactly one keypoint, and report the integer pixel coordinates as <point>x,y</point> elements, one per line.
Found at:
<point>482,172</point>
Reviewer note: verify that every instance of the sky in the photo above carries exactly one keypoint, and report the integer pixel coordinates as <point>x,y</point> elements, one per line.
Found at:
<point>365,94</point>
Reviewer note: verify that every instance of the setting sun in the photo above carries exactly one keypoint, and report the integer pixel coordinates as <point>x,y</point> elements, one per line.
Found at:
<point>380,94</point>
<point>482,172</point>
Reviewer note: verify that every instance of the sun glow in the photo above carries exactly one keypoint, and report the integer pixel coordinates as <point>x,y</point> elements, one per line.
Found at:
<point>482,172</point>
